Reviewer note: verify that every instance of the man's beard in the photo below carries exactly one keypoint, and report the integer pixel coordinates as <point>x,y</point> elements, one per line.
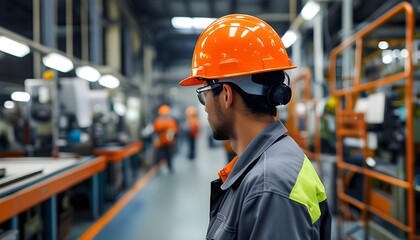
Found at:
<point>221,124</point>
<point>222,127</point>
<point>220,134</point>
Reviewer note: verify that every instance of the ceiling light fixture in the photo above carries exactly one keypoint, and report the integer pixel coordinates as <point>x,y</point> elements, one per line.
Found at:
<point>191,23</point>
<point>310,10</point>
<point>289,38</point>
<point>202,23</point>
<point>404,53</point>
<point>383,45</point>
<point>109,81</point>
<point>9,104</point>
<point>387,57</point>
<point>182,22</point>
<point>13,47</point>
<point>89,73</point>
<point>58,62</point>
<point>20,96</point>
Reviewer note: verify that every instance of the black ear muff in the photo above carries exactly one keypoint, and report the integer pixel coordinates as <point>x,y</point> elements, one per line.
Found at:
<point>279,94</point>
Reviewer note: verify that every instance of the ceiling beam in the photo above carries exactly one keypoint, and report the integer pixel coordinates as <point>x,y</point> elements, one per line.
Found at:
<point>274,17</point>
<point>165,7</point>
<point>212,8</point>
<point>188,9</point>
<point>233,6</point>
<point>265,4</point>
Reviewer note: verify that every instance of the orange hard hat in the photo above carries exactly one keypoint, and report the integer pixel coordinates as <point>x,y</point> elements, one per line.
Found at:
<point>190,111</point>
<point>164,110</point>
<point>236,45</point>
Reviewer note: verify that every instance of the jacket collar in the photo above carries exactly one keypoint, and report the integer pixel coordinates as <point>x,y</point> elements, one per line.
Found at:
<point>254,150</point>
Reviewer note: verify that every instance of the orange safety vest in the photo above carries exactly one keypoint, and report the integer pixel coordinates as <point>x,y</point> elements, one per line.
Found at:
<point>167,128</point>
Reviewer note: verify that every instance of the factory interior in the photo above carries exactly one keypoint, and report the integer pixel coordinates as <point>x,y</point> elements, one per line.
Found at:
<point>82,82</point>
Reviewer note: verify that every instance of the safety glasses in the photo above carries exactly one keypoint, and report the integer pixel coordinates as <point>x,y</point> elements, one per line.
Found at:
<point>202,92</point>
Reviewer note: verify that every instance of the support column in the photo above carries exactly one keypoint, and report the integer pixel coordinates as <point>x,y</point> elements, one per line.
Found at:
<point>51,220</point>
<point>318,56</point>
<point>96,32</point>
<point>96,201</point>
<point>36,25</point>
<point>148,56</point>
<point>84,27</point>
<point>113,37</point>
<point>48,23</point>
<point>14,222</point>
<point>49,39</point>
<point>128,51</point>
<point>69,27</point>
<point>348,53</point>
<point>296,50</point>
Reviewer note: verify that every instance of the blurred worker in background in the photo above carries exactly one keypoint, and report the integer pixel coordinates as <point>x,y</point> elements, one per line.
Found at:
<point>165,128</point>
<point>270,190</point>
<point>193,128</point>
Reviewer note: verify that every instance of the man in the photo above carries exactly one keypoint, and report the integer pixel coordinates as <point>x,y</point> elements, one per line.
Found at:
<point>166,129</point>
<point>193,128</point>
<point>270,190</point>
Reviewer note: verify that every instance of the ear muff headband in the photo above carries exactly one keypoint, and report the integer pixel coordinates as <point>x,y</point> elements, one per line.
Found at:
<point>277,94</point>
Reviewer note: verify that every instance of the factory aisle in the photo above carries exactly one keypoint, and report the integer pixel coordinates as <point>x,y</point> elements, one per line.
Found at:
<point>171,206</point>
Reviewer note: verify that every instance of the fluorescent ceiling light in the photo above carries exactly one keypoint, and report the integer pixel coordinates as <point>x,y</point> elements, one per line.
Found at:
<point>289,38</point>
<point>14,48</point>
<point>109,81</point>
<point>89,73</point>
<point>396,53</point>
<point>310,9</point>
<point>182,22</point>
<point>20,96</point>
<point>191,23</point>
<point>58,62</point>
<point>202,23</point>
<point>387,57</point>
<point>9,104</point>
<point>404,53</point>
<point>383,45</point>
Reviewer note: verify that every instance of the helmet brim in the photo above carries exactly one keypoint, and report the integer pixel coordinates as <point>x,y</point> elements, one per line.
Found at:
<point>191,81</point>
<point>194,80</point>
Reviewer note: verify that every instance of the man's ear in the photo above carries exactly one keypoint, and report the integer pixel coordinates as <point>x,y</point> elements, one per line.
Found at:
<point>227,96</point>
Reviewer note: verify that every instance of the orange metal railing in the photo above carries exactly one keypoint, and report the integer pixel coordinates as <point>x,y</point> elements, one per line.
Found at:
<point>302,136</point>
<point>350,95</point>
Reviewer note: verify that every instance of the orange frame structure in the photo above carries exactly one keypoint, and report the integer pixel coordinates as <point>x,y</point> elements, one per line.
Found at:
<point>24,199</point>
<point>119,154</point>
<point>293,120</point>
<point>345,117</point>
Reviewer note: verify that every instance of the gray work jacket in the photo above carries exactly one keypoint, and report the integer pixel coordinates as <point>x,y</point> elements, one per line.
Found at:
<point>272,192</point>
